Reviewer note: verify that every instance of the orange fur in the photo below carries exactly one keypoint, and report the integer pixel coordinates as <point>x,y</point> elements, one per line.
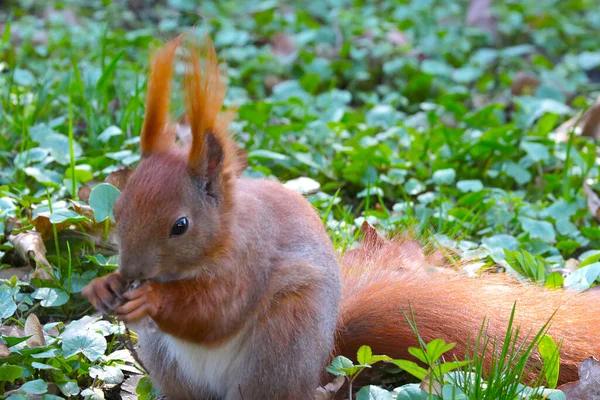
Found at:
<point>155,138</point>
<point>204,96</point>
<point>381,280</point>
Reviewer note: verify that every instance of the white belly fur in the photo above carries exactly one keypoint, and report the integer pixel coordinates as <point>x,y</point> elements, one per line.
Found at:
<point>212,368</point>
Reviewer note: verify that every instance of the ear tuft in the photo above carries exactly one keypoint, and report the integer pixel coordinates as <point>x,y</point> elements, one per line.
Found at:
<point>156,137</point>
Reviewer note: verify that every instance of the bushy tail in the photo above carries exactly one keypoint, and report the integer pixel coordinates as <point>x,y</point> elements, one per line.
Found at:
<point>382,278</point>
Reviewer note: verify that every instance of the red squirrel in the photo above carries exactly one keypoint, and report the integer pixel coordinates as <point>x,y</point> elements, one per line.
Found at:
<point>243,295</point>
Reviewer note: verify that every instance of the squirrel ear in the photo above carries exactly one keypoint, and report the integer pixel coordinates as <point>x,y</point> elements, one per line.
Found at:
<point>209,166</point>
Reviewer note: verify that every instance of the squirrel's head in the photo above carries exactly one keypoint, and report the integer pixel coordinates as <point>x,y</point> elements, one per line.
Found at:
<point>174,213</point>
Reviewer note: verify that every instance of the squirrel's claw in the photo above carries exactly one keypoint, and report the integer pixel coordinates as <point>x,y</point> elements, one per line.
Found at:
<point>136,305</point>
<point>105,293</point>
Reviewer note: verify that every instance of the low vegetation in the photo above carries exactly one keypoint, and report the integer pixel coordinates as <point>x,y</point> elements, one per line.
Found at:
<point>477,133</point>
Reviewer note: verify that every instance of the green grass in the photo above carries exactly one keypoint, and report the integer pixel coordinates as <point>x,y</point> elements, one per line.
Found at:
<point>400,111</point>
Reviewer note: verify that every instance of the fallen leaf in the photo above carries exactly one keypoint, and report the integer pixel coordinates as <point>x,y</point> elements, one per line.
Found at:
<point>593,201</point>
<point>572,265</point>
<point>44,227</point>
<point>12,331</point>
<point>586,125</point>
<point>33,328</point>
<point>271,81</point>
<point>129,386</point>
<point>426,384</point>
<point>82,209</point>
<point>20,272</point>
<point>479,14</point>
<point>30,247</point>
<point>283,46</point>
<point>588,385</point>
<point>83,193</point>
<point>397,38</point>
<point>303,185</point>
<point>4,351</point>
<point>119,177</point>
<point>524,83</point>
<point>328,391</point>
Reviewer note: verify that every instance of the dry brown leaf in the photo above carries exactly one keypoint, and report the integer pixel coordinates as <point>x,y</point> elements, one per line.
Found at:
<point>4,351</point>
<point>42,224</point>
<point>480,15</point>
<point>84,191</point>
<point>12,331</point>
<point>587,125</point>
<point>524,83</point>
<point>328,391</point>
<point>82,209</point>
<point>283,46</point>
<point>588,385</point>
<point>397,38</point>
<point>20,272</point>
<point>593,201</point>
<point>119,177</point>
<point>426,385</point>
<point>33,328</point>
<point>572,265</point>
<point>30,247</point>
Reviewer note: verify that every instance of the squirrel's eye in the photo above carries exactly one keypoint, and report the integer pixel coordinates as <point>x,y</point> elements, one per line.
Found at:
<point>180,227</point>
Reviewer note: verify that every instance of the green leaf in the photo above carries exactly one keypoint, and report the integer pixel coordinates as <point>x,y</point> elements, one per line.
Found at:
<point>538,229</point>
<point>412,391</point>
<point>37,386</point>
<point>418,354</point>
<point>110,132</point>
<point>51,297</point>
<point>267,154</point>
<point>364,355</point>
<point>108,374</point>
<point>474,185</point>
<point>23,77</point>
<point>446,367</point>
<point>444,176</point>
<point>555,280</point>
<point>536,151</point>
<point>7,304</point>
<point>338,365</point>
<point>594,258</point>
<point>9,373</point>
<point>583,278</point>
<point>18,396</point>
<point>102,200</point>
<point>551,358</point>
<point>373,393</point>
<point>520,174</point>
<point>90,344</point>
<point>69,388</point>
<point>41,366</point>
<point>436,348</point>
<point>412,368</point>
<point>451,392</point>
<point>589,60</point>
<point>414,186</point>
<point>65,215</point>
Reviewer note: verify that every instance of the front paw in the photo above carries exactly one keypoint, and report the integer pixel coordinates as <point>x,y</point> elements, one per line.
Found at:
<point>138,303</point>
<point>106,293</point>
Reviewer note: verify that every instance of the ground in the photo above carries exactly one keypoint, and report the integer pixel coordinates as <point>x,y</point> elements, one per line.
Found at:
<point>465,124</point>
